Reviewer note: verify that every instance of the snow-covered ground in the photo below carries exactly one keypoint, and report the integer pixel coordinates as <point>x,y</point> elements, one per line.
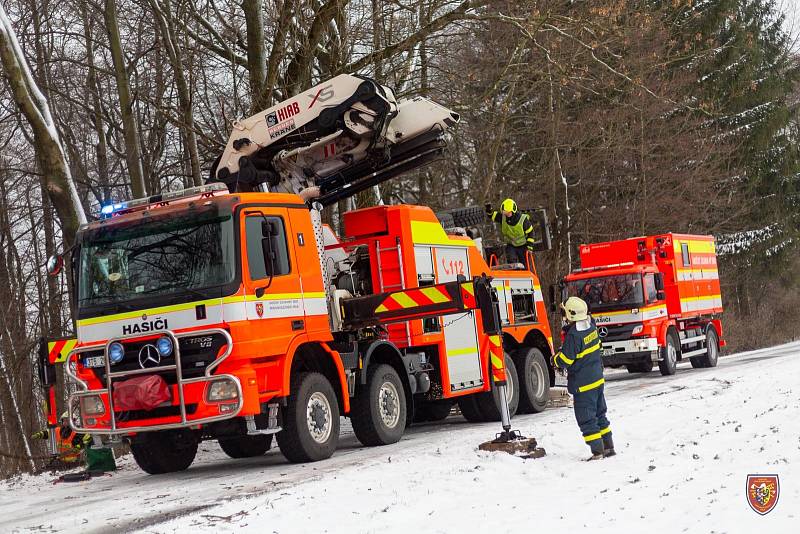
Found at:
<point>686,445</point>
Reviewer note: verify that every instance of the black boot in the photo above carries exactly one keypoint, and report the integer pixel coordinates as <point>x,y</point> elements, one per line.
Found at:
<point>597,450</point>
<point>608,445</point>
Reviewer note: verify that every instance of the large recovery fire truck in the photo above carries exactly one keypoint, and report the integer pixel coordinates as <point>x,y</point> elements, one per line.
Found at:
<point>229,312</point>
<point>655,299</point>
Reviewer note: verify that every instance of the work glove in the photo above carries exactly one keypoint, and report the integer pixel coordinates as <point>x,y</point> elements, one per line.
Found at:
<point>41,434</point>
<point>488,208</point>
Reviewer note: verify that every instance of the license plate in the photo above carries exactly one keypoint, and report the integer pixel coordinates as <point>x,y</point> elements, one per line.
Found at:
<point>608,352</point>
<point>94,361</point>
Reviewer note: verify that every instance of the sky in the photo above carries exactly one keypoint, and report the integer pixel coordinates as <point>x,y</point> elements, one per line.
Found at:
<point>792,10</point>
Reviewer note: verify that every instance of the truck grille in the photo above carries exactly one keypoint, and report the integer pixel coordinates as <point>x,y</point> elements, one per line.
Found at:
<point>196,353</point>
<point>617,332</point>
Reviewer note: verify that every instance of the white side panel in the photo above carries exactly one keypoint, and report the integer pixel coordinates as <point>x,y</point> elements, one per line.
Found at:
<point>503,297</point>
<point>460,334</point>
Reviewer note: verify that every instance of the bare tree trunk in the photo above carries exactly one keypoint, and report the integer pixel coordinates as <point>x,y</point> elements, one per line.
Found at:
<point>166,23</point>
<point>129,125</point>
<point>50,153</point>
<point>256,50</point>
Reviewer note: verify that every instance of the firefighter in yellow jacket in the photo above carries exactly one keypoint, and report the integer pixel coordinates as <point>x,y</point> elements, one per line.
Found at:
<point>516,228</point>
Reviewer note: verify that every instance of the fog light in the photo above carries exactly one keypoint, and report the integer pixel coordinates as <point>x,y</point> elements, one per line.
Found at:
<point>222,390</point>
<point>164,345</point>
<point>227,408</point>
<point>92,405</point>
<point>116,352</point>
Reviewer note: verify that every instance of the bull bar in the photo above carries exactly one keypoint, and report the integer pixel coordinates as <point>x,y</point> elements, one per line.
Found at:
<point>180,383</point>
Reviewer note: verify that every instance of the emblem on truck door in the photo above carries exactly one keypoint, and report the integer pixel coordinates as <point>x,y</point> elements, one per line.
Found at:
<point>149,357</point>
<point>260,309</point>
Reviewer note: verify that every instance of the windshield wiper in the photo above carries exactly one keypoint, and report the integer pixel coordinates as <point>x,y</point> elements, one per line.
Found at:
<point>183,288</point>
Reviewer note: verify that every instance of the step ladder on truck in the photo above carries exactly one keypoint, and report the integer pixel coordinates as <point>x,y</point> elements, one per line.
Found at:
<point>219,313</point>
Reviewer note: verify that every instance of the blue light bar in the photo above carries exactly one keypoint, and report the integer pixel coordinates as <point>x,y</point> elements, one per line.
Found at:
<point>110,209</point>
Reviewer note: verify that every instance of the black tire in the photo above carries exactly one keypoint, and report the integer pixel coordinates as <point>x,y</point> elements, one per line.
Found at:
<point>310,392</point>
<point>669,354</point>
<point>711,356</point>
<point>432,410</point>
<point>446,220</point>
<point>469,409</point>
<point>489,402</point>
<point>534,378</point>
<point>246,446</point>
<point>468,216</point>
<point>166,451</point>
<point>640,367</point>
<point>378,411</point>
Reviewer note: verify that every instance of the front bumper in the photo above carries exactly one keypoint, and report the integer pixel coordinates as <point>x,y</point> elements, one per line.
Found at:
<point>189,414</point>
<point>630,351</point>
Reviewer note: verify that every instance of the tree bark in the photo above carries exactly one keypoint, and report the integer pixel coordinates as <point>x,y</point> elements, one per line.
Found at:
<point>129,124</point>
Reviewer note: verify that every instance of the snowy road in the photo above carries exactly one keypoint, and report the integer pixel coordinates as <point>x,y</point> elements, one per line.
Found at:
<point>686,444</point>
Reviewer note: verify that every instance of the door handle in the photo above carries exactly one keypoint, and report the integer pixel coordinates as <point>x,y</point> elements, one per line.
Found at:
<point>298,324</point>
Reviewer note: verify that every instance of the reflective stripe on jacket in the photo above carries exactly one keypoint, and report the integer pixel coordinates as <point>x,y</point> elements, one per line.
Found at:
<point>581,355</point>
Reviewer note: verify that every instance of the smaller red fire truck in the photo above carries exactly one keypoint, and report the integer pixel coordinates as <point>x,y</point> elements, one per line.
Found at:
<point>655,299</point>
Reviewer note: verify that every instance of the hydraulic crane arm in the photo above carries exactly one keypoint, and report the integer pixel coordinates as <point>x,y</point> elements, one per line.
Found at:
<point>344,135</point>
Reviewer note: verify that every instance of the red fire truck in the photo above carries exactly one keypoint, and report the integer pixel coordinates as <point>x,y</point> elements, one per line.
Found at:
<point>231,313</point>
<point>655,299</point>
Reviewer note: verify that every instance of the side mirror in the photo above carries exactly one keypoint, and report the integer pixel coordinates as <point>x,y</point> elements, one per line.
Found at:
<point>659,281</point>
<point>54,265</point>
<point>661,295</point>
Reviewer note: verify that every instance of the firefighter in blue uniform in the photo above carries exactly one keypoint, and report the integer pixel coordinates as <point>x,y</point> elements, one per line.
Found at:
<point>517,230</point>
<point>581,357</point>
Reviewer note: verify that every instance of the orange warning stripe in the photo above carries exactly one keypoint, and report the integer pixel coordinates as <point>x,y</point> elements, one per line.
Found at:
<point>60,349</point>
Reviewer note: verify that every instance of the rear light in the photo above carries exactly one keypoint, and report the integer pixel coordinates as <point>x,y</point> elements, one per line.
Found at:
<point>222,390</point>
<point>92,405</point>
<point>637,330</point>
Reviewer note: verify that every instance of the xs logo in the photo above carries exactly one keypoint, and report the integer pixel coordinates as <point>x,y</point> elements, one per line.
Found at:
<point>323,95</point>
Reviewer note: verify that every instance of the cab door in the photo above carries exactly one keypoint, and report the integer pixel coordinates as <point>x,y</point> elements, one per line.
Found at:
<point>277,315</point>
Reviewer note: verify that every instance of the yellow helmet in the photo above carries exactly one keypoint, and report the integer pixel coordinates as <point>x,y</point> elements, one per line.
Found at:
<point>575,309</point>
<point>509,205</point>
<point>65,415</point>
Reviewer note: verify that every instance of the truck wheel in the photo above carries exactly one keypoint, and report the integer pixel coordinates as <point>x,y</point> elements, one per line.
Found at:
<point>311,420</point>
<point>469,408</point>
<point>489,402</point>
<point>669,354</point>
<point>166,451</point>
<point>712,351</point>
<point>378,411</point>
<point>246,446</point>
<point>534,378</point>
<point>640,367</point>
<point>432,410</point>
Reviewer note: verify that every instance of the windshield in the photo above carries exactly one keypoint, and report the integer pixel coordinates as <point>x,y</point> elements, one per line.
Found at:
<point>622,291</point>
<point>148,258</point>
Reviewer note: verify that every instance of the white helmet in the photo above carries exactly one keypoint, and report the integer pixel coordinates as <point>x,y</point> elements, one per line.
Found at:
<point>575,309</point>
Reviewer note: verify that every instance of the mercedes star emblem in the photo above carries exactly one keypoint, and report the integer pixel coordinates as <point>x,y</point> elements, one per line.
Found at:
<point>149,357</point>
<point>603,331</point>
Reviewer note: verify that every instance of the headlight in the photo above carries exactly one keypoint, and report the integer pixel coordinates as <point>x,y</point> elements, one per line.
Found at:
<point>222,390</point>
<point>637,330</point>
<point>164,345</point>
<point>93,405</point>
<point>116,352</point>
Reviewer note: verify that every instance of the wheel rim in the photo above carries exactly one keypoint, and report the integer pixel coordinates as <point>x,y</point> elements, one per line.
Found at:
<point>389,404</point>
<point>537,379</point>
<point>672,353</point>
<point>318,417</point>
<point>509,387</point>
<point>712,348</point>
